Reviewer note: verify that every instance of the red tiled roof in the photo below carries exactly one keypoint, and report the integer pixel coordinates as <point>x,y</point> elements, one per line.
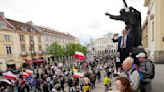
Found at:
<point>8,25</point>
<point>18,25</point>
<point>48,30</point>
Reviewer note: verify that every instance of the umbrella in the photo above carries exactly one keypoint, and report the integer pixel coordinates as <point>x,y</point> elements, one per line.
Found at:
<point>60,65</point>
<point>9,75</point>
<point>78,75</point>
<point>5,80</point>
<point>24,74</point>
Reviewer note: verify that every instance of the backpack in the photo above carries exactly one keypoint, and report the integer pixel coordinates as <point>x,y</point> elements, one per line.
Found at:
<point>70,82</point>
<point>152,75</point>
<point>140,74</point>
<point>93,77</point>
<point>132,70</point>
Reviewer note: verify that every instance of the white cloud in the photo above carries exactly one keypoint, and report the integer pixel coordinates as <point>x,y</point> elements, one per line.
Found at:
<point>82,18</point>
<point>95,25</point>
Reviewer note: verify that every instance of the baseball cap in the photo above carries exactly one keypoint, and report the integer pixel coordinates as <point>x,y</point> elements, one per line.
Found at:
<point>141,54</point>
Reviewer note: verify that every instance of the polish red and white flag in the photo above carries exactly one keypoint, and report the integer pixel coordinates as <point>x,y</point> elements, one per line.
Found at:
<point>29,72</point>
<point>79,55</point>
<point>9,75</point>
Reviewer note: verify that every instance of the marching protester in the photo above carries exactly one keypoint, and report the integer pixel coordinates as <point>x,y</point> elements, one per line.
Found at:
<point>62,83</point>
<point>107,82</point>
<point>93,79</point>
<point>73,77</point>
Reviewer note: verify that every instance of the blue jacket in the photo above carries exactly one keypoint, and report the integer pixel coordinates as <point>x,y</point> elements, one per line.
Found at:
<point>128,44</point>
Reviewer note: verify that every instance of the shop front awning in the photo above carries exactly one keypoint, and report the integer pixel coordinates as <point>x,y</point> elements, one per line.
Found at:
<point>39,60</point>
<point>29,62</point>
<point>10,62</point>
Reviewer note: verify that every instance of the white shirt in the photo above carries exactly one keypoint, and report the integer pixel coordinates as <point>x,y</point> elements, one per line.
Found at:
<point>117,59</point>
<point>125,38</point>
<point>54,90</point>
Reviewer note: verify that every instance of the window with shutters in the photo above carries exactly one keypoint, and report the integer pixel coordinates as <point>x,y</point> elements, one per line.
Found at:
<point>8,50</point>
<point>39,39</point>
<point>22,38</point>
<point>31,38</point>
<point>40,48</point>
<point>23,48</point>
<point>7,38</point>
<point>2,24</point>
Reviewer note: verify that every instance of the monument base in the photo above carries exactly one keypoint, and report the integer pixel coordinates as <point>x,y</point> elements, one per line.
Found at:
<point>136,51</point>
<point>158,57</point>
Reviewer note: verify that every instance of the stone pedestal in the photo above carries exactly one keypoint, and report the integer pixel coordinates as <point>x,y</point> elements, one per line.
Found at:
<point>136,51</point>
<point>158,56</point>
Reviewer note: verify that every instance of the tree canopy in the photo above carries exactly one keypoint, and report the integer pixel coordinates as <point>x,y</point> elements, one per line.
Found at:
<point>56,50</point>
<point>69,50</point>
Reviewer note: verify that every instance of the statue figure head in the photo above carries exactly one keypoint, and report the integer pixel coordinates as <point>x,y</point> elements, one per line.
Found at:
<point>122,12</point>
<point>127,27</point>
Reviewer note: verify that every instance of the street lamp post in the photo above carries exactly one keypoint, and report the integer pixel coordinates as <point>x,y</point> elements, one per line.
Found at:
<point>32,49</point>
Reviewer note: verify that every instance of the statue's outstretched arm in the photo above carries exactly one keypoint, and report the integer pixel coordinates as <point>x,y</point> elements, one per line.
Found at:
<point>116,17</point>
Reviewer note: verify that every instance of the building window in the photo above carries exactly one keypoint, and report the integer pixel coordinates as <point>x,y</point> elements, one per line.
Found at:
<point>32,46</point>
<point>22,38</point>
<point>40,48</point>
<point>2,24</point>
<point>7,38</point>
<point>8,50</point>
<point>24,29</point>
<point>31,38</point>
<point>23,48</point>
<point>39,39</point>
<point>46,39</point>
<point>46,46</point>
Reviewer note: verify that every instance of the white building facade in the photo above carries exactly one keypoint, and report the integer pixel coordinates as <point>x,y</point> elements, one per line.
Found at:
<point>103,45</point>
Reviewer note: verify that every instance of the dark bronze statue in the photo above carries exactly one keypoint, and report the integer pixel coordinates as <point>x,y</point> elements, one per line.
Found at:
<point>132,19</point>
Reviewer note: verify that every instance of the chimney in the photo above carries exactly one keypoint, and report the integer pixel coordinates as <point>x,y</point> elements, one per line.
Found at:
<point>2,14</point>
<point>30,22</point>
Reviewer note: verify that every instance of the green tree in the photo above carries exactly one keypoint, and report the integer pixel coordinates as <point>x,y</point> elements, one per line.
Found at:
<point>56,50</point>
<point>84,49</point>
<point>71,48</point>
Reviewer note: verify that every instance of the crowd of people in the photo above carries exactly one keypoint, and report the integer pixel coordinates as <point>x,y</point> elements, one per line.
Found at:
<point>56,76</point>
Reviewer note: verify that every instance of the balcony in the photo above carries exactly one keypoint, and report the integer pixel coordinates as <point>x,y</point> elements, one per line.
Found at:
<point>33,52</point>
<point>40,53</point>
<point>22,42</point>
<point>44,52</point>
<point>9,55</point>
<point>23,54</point>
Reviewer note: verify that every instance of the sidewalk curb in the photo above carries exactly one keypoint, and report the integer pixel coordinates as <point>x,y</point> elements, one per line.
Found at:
<point>160,62</point>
